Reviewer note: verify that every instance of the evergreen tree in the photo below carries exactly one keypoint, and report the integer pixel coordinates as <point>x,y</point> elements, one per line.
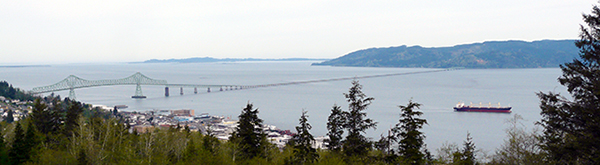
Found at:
<point>190,151</point>
<point>335,127</point>
<point>411,145</point>
<point>356,144</point>
<point>18,153</point>
<point>12,92</point>
<point>9,116</point>
<point>4,88</point>
<point>384,144</point>
<point>72,117</point>
<point>249,135</point>
<point>45,120</point>
<point>3,148</point>
<point>115,111</point>
<point>467,155</point>
<point>304,153</point>
<point>187,130</point>
<point>209,141</point>
<point>32,141</point>
<point>572,127</point>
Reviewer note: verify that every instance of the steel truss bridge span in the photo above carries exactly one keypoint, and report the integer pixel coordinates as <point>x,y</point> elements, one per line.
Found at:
<point>73,82</point>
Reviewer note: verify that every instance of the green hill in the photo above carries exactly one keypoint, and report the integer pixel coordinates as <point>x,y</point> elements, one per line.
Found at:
<point>491,54</point>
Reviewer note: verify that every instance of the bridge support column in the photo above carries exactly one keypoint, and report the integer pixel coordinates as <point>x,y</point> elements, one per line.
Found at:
<point>208,90</point>
<point>195,90</point>
<point>72,94</point>
<point>181,90</point>
<point>138,92</point>
<point>166,91</point>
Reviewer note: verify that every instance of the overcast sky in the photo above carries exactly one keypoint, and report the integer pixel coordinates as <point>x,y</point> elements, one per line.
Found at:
<point>85,31</point>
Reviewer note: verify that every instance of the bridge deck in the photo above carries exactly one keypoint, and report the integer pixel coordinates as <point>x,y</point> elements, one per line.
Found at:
<point>73,82</point>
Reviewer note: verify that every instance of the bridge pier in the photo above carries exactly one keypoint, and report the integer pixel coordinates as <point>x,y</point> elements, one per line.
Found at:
<point>138,92</point>
<point>166,91</point>
<point>208,90</point>
<point>195,90</point>
<point>181,90</point>
<point>72,94</point>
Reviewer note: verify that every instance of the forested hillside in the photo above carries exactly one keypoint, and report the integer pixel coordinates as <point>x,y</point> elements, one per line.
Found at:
<point>9,92</point>
<point>491,54</point>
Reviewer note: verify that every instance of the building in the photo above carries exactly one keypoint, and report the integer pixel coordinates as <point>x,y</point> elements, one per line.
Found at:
<point>183,112</point>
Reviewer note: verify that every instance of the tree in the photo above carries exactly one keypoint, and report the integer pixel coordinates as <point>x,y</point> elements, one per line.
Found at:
<point>249,135</point>
<point>190,151</point>
<point>45,120</point>
<point>335,127</point>
<point>3,149</point>
<point>18,153</point>
<point>384,145</point>
<point>72,117</point>
<point>411,145</point>
<point>572,127</point>
<point>304,153</point>
<point>446,153</point>
<point>32,138</point>
<point>209,141</point>
<point>467,155</point>
<point>520,146</point>
<point>356,144</point>
<point>12,92</point>
<point>9,116</point>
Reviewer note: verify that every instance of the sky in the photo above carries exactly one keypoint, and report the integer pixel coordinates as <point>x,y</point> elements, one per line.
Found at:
<point>85,31</point>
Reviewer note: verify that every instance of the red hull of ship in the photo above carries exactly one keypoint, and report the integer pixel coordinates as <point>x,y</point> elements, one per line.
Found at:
<point>478,109</point>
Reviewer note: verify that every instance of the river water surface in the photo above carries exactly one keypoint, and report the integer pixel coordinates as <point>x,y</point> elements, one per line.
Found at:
<point>438,92</point>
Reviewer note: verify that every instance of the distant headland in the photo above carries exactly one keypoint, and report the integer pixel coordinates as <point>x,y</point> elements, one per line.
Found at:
<point>490,54</point>
<point>22,66</point>
<point>210,59</point>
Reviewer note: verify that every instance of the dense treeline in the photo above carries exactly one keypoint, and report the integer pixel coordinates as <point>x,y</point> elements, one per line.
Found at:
<point>9,92</point>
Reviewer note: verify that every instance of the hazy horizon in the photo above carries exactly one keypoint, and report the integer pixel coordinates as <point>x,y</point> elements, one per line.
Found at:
<point>141,61</point>
<point>62,32</point>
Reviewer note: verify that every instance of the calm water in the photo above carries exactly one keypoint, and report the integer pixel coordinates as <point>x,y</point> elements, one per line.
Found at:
<point>282,105</point>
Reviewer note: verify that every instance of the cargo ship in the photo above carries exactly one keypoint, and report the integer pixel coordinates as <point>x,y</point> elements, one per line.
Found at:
<point>461,107</point>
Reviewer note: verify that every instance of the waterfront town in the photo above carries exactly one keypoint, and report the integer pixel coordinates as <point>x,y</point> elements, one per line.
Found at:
<point>142,122</point>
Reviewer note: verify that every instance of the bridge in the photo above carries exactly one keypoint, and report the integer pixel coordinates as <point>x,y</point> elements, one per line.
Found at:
<point>73,82</point>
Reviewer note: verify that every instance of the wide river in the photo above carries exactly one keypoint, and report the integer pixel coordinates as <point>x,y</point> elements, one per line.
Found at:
<point>438,92</point>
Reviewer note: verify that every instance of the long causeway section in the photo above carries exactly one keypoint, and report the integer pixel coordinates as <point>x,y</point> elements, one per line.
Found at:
<point>73,82</point>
